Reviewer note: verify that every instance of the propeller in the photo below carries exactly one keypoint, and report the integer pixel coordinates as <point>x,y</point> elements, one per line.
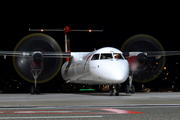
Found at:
<point>145,68</point>
<point>35,44</point>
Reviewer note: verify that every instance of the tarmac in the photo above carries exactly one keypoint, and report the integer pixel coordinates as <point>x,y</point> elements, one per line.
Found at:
<point>88,106</point>
<point>89,99</point>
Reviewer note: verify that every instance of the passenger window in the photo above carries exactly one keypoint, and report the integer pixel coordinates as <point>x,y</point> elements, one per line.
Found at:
<point>118,56</point>
<point>95,57</point>
<point>106,56</point>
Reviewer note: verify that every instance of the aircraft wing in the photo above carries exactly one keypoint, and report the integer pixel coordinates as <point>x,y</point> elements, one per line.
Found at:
<point>14,53</point>
<point>152,53</point>
<point>162,53</point>
<point>47,54</point>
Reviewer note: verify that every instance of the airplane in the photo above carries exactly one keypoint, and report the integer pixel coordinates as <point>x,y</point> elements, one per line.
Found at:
<point>37,58</point>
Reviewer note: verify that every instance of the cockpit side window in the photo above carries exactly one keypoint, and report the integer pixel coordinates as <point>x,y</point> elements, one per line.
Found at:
<point>95,57</point>
<point>106,56</point>
<point>118,56</point>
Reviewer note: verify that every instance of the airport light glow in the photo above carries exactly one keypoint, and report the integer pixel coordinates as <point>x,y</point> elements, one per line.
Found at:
<point>86,89</point>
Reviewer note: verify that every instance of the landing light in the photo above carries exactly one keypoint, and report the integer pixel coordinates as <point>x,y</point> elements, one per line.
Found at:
<point>90,30</point>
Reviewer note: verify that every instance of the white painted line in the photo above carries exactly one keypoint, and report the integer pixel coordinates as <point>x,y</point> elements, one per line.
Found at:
<point>48,117</point>
<point>27,112</point>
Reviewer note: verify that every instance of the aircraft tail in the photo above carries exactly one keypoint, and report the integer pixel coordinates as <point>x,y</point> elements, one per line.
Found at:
<point>66,30</point>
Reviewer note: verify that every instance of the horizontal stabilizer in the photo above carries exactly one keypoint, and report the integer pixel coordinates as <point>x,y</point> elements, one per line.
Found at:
<point>66,29</point>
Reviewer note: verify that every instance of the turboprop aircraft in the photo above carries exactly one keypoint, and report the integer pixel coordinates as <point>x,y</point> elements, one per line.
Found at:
<point>37,58</point>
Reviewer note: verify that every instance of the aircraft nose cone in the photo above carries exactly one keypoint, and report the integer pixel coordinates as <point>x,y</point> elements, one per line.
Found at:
<point>117,72</point>
<point>120,71</point>
<point>110,72</point>
<point>117,75</point>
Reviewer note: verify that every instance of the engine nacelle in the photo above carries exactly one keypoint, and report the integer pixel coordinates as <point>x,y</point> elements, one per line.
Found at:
<point>142,58</point>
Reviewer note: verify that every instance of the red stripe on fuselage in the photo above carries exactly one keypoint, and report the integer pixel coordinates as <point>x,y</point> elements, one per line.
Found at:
<point>131,61</point>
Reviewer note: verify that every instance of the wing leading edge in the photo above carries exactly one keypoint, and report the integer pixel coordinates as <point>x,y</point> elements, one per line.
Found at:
<point>152,53</point>
<point>49,54</point>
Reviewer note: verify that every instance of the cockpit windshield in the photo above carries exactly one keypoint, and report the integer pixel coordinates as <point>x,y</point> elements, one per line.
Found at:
<point>118,56</point>
<point>104,56</point>
<point>95,57</point>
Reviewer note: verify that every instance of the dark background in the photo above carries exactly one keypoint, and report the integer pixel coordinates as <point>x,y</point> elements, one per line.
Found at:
<point>119,22</point>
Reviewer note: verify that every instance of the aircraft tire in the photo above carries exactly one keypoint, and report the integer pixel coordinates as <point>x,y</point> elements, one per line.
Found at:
<point>127,89</point>
<point>132,89</point>
<point>110,91</point>
<point>117,90</point>
<point>32,90</point>
<point>117,94</point>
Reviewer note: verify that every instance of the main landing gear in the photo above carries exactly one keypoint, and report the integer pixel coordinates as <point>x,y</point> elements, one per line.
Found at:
<point>35,88</point>
<point>36,69</point>
<point>130,88</point>
<point>114,89</point>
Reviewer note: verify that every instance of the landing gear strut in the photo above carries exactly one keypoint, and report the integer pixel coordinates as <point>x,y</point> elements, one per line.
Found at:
<point>35,88</point>
<point>130,88</point>
<point>114,89</point>
<point>36,69</point>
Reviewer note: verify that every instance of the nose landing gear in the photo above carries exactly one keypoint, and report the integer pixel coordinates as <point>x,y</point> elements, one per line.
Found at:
<point>128,89</point>
<point>114,89</point>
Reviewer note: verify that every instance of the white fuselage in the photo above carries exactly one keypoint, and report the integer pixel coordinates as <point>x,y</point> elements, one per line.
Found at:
<point>98,67</point>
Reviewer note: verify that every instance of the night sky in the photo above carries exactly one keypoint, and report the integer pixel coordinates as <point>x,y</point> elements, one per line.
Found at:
<point>119,23</point>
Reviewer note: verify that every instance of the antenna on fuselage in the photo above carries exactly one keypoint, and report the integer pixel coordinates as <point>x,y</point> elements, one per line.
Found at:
<point>66,30</point>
